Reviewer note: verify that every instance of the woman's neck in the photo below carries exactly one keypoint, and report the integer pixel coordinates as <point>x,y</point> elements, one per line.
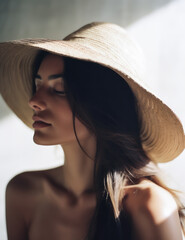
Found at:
<point>78,168</point>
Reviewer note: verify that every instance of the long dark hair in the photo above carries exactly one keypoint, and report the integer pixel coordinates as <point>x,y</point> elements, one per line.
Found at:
<point>105,104</point>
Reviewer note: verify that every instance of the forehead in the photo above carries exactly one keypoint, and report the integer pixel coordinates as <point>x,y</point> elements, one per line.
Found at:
<point>51,64</point>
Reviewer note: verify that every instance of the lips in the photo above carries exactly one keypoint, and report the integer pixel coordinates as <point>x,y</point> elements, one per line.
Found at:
<point>39,122</point>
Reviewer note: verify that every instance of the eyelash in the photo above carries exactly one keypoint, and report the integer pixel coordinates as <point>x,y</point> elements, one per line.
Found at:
<point>55,91</point>
<point>59,92</point>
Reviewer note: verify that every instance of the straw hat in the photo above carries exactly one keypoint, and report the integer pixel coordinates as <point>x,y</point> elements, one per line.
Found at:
<point>107,44</point>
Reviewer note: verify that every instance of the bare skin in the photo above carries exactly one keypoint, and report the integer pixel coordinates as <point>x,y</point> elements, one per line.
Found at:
<point>59,203</point>
<point>39,207</point>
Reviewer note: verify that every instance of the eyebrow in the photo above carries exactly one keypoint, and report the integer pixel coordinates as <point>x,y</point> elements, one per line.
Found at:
<point>51,77</point>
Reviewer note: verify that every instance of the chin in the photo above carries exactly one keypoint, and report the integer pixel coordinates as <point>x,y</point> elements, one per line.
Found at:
<point>41,139</point>
<point>42,142</point>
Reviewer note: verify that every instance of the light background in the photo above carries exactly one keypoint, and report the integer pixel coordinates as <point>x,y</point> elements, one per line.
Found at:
<point>158,26</point>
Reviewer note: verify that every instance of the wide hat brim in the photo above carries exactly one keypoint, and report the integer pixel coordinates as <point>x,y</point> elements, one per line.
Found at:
<point>162,133</point>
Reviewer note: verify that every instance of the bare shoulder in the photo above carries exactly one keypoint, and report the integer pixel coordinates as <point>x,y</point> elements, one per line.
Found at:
<point>22,191</point>
<point>24,182</point>
<point>24,194</point>
<point>27,183</point>
<point>25,188</point>
<point>153,211</point>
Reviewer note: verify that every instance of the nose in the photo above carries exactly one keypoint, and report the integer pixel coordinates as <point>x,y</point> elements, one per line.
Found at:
<point>37,102</point>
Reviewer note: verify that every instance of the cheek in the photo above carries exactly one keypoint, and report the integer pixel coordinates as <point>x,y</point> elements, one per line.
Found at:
<point>63,117</point>
<point>64,122</point>
<point>61,110</point>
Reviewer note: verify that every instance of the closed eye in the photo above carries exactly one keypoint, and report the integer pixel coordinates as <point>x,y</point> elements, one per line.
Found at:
<point>59,92</point>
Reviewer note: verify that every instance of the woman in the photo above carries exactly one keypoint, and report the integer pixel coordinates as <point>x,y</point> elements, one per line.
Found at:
<point>85,93</point>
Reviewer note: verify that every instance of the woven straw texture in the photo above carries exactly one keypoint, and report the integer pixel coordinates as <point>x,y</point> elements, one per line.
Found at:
<point>107,44</point>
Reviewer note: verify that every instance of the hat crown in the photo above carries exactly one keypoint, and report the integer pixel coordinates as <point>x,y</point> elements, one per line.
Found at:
<point>112,42</point>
